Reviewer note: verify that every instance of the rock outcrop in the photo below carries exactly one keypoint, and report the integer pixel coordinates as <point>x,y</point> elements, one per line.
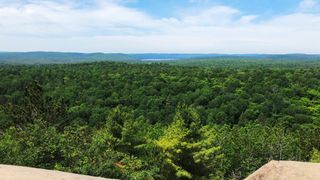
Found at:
<point>287,170</point>
<point>8,172</point>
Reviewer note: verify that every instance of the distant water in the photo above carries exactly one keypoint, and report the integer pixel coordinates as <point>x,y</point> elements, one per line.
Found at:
<point>159,59</point>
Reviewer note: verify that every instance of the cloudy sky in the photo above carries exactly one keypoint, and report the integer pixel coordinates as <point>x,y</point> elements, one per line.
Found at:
<point>181,26</point>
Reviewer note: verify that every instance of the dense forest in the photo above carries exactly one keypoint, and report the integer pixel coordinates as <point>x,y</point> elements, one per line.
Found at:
<point>159,121</point>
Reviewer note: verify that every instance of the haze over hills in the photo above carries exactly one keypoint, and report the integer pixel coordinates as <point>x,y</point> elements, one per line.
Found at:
<point>176,58</point>
<point>59,57</point>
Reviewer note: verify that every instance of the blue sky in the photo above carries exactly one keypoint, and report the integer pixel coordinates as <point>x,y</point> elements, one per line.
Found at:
<point>167,8</point>
<point>180,26</point>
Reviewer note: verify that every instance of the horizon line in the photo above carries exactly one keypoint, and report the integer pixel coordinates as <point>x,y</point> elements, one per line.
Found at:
<point>177,53</point>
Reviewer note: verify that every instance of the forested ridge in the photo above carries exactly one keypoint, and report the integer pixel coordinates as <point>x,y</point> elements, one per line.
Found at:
<point>157,121</point>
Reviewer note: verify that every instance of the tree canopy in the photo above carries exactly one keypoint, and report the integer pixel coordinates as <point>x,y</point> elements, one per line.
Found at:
<point>158,121</point>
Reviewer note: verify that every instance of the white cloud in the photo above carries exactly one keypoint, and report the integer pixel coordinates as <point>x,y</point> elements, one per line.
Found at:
<point>217,15</point>
<point>308,5</point>
<point>109,26</point>
<point>67,19</point>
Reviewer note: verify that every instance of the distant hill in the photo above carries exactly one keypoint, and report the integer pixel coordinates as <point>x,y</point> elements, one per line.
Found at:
<point>59,57</point>
<point>160,57</point>
<point>165,56</point>
<point>174,59</point>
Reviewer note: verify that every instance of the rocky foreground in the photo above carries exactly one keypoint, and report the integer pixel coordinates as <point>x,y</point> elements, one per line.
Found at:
<point>8,172</point>
<point>274,170</point>
<point>287,170</point>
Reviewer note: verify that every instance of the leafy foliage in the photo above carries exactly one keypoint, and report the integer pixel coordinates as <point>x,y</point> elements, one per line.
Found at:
<point>315,157</point>
<point>139,121</point>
